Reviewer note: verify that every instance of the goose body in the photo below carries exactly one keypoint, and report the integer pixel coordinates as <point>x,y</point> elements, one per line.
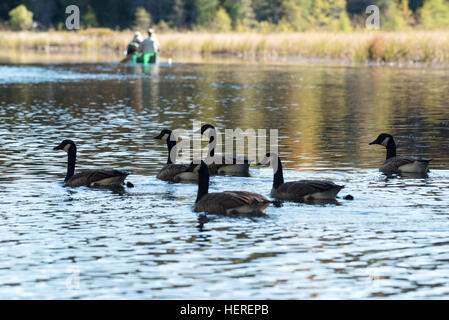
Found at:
<point>405,165</point>
<point>227,164</point>
<point>306,190</point>
<point>173,172</point>
<point>223,164</point>
<point>227,202</point>
<point>103,177</point>
<point>299,190</point>
<point>233,202</point>
<point>91,178</point>
<point>399,164</point>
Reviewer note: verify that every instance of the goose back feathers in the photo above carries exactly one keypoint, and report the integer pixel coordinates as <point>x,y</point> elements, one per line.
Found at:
<point>405,165</point>
<point>306,190</point>
<point>233,202</point>
<point>175,173</point>
<point>102,177</point>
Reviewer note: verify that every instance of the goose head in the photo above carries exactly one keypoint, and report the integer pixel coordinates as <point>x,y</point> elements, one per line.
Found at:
<point>267,159</point>
<point>382,139</point>
<point>164,135</point>
<point>207,130</point>
<point>65,145</point>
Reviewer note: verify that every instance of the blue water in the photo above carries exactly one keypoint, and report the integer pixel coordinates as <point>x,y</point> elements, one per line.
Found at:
<point>147,243</point>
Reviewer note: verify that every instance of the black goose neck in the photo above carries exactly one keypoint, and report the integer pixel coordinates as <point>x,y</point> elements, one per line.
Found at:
<point>278,178</point>
<point>203,183</point>
<point>391,149</point>
<point>71,162</point>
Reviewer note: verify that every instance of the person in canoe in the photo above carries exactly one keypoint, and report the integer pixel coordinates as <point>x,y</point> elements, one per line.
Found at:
<point>133,46</point>
<point>150,45</point>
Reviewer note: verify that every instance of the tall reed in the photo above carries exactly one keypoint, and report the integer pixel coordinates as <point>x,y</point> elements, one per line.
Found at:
<point>414,46</point>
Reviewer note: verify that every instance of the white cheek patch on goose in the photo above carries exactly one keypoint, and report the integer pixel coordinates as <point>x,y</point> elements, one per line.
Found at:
<point>165,137</point>
<point>67,147</point>
<point>208,132</point>
<point>385,142</point>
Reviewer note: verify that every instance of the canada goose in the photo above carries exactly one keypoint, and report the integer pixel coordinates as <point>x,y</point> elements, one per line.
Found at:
<point>298,190</point>
<point>226,202</point>
<point>102,177</point>
<point>173,172</point>
<point>225,163</point>
<point>395,164</point>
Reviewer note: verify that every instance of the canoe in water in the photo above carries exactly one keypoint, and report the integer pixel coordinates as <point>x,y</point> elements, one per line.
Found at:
<point>146,58</point>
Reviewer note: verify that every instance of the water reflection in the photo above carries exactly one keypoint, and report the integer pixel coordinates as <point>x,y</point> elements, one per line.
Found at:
<point>146,242</point>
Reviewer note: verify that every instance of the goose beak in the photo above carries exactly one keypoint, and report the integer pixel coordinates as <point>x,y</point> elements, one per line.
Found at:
<point>58,147</point>
<point>159,137</point>
<point>372,142</point>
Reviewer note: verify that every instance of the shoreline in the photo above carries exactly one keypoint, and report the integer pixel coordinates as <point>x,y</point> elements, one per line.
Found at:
<point>410,48</point>
<point>59,55</point>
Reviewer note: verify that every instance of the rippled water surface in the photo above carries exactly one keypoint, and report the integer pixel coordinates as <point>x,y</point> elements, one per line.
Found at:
<point>146,242</point>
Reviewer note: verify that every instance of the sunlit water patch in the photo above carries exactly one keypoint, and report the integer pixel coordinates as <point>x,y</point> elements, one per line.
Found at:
<point>20,74</point>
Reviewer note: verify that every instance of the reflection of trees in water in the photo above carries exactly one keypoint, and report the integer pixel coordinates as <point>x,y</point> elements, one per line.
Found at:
<point>331,113</point>
<point>325,115</point>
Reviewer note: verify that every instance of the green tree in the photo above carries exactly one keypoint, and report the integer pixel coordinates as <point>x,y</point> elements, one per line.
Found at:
<point>205,12</point>
<point>142,19</point>
<point>434,14</point>
<point>20,18</point>
<point>293,19</point>
<point>246,17</point>
<point>344,24</point>
<point>162,26</point>
<point>89,19</point>
<point>177,18</point>
<point>406,13</point>
<point>327,14</point>
<point>397,15</point>
<point>222,21</point>
<point>268,10</point>
<point>241,14</point>
<point>233,9</point>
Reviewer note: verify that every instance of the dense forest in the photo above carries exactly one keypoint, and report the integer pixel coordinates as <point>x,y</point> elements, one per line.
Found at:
<point>238,15</point>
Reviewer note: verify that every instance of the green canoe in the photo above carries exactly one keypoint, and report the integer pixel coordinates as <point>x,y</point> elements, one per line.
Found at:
<point>147,58</point>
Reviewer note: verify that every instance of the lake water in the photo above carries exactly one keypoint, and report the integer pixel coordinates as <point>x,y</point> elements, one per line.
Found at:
<point>146,242</point>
